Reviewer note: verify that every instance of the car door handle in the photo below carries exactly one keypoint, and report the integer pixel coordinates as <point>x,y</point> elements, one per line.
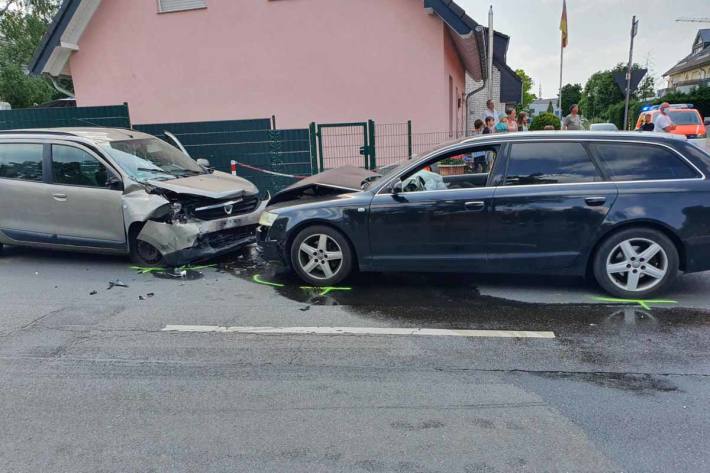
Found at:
<point>59,196</point>
<point>476,205</point>
<point>595,201</point>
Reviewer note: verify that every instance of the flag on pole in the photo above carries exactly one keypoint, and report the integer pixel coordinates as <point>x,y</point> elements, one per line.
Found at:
<point>563,24</point>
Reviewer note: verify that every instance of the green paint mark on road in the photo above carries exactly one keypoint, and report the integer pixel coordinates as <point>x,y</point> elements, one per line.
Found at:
<point>644,303</point>
<point>188,267</point>
<point>325,290</point>
<point>257,279</point>
<point>146,269</point>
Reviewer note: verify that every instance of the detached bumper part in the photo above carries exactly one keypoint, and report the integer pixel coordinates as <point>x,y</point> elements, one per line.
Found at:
<point>182,243</point>
<point>271,250</point>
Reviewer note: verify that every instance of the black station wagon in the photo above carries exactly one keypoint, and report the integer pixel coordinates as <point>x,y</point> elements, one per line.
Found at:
<point>631,209</point>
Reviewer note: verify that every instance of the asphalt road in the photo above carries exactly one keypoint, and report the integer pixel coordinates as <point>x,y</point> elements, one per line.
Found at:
<point>91,382</point>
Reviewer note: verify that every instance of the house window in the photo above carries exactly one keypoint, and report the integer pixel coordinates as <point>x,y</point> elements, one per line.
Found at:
<point>168,6</point>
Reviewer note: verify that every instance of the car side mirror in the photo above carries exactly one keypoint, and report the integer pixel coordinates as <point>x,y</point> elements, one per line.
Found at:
<point>114,183</point>
<point>204,163</point>
<point>397,187</point>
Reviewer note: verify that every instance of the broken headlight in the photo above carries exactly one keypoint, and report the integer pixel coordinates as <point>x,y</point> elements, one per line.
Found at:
<point>267,219</point>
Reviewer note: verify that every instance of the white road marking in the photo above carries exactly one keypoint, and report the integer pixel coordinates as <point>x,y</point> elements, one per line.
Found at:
<point>360,331</point>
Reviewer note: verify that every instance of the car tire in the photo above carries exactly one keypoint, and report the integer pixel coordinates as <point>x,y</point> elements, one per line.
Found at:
<point>321,256</point>
<point>142,253</point>
<point>636,263</point>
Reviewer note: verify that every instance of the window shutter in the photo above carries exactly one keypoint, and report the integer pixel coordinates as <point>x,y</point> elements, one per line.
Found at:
<point>167,6</point>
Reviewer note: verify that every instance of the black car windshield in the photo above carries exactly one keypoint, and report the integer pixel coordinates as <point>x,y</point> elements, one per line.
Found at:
<point>684,118</point>
<point>150,158</point>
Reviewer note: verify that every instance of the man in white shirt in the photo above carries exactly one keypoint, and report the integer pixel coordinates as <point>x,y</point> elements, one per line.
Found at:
<point>663,123</point>
<point>490,111</point>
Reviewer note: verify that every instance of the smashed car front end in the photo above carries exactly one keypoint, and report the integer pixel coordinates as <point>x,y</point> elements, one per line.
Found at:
<point>187,227</point>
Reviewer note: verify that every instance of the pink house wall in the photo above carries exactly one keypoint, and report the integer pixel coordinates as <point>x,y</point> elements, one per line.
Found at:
<point>454,69</point>
<point>301,60</point>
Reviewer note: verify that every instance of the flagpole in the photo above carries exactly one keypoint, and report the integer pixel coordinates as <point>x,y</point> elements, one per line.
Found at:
<point>563,44</point>
<point>559,92</point>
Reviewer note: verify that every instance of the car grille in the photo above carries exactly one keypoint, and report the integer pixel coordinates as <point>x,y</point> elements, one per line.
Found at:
<point>216,208</point>
<point>224,238</point>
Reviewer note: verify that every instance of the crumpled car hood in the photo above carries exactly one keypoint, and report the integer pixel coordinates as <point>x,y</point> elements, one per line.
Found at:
<point>345,178</point>
<point>217,185</point>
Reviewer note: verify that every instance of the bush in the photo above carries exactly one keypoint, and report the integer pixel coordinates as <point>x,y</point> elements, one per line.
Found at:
<point>544,119</point>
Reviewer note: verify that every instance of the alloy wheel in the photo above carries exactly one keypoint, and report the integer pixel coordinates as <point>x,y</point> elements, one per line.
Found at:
<point>637,265</point>
<point>320,256</point>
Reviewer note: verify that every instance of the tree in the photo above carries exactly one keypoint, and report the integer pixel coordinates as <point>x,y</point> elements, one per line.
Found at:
<point>550,108</point>
<point>647,88</point>
<point>528,97</point>
<point>601,91</point>
<point>570,94</point>
<point>22,25</point>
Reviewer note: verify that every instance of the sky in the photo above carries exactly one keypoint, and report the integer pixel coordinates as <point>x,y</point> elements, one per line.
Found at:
<point>598,35</point>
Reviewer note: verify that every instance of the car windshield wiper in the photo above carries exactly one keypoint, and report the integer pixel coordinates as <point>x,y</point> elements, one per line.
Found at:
<point>188,172</point>
<point>166,175</point>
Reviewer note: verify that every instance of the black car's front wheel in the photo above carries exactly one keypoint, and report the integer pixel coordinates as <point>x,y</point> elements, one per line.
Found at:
<point>636,263</point>
<point>321,256</point>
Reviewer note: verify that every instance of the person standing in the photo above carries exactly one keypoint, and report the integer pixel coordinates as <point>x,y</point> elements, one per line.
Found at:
<point>647,123</point>
<point>490,126</point>
<point>502,125</point>
<point>512,121</point>
<point>663,122</point>
<point>522,121</point>
<point>477,127</point>
<point>572,121</point>
<point>490,111</point>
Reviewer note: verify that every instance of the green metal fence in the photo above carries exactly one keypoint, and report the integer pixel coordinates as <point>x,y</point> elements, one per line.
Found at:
<point>371,145</point>
<point>115,116</point>
<point>266,157</point>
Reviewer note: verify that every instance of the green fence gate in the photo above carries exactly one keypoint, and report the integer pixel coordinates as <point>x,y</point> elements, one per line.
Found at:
<point>341,144</point>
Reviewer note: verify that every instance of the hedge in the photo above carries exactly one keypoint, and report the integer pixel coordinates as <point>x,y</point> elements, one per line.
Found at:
<point>544,119</point>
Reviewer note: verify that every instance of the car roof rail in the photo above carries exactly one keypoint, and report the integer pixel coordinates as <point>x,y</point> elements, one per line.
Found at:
<point>37,132</point>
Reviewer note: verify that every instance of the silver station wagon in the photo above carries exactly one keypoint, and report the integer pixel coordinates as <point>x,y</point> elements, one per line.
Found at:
<point>120,191</point>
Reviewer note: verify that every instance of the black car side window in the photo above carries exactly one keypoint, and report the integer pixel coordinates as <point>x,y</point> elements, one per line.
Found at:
<point>639,162</point>
<point>21,161</point>
<point>465,169</point>
<point>550,163</point>
<point>75,167</point>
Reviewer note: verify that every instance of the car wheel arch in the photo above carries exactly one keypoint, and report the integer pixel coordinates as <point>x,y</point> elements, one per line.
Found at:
<point>650,224</point>
<point>293,232</point>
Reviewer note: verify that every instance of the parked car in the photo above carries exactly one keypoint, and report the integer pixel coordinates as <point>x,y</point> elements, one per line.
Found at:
<point>688,121</point>
<point>603,127</point>
<point>630,209</point>
<point>119,191</point>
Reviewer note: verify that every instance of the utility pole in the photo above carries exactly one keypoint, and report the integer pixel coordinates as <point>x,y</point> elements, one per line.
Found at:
<point>490,53</point>
<point>634,30</point>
